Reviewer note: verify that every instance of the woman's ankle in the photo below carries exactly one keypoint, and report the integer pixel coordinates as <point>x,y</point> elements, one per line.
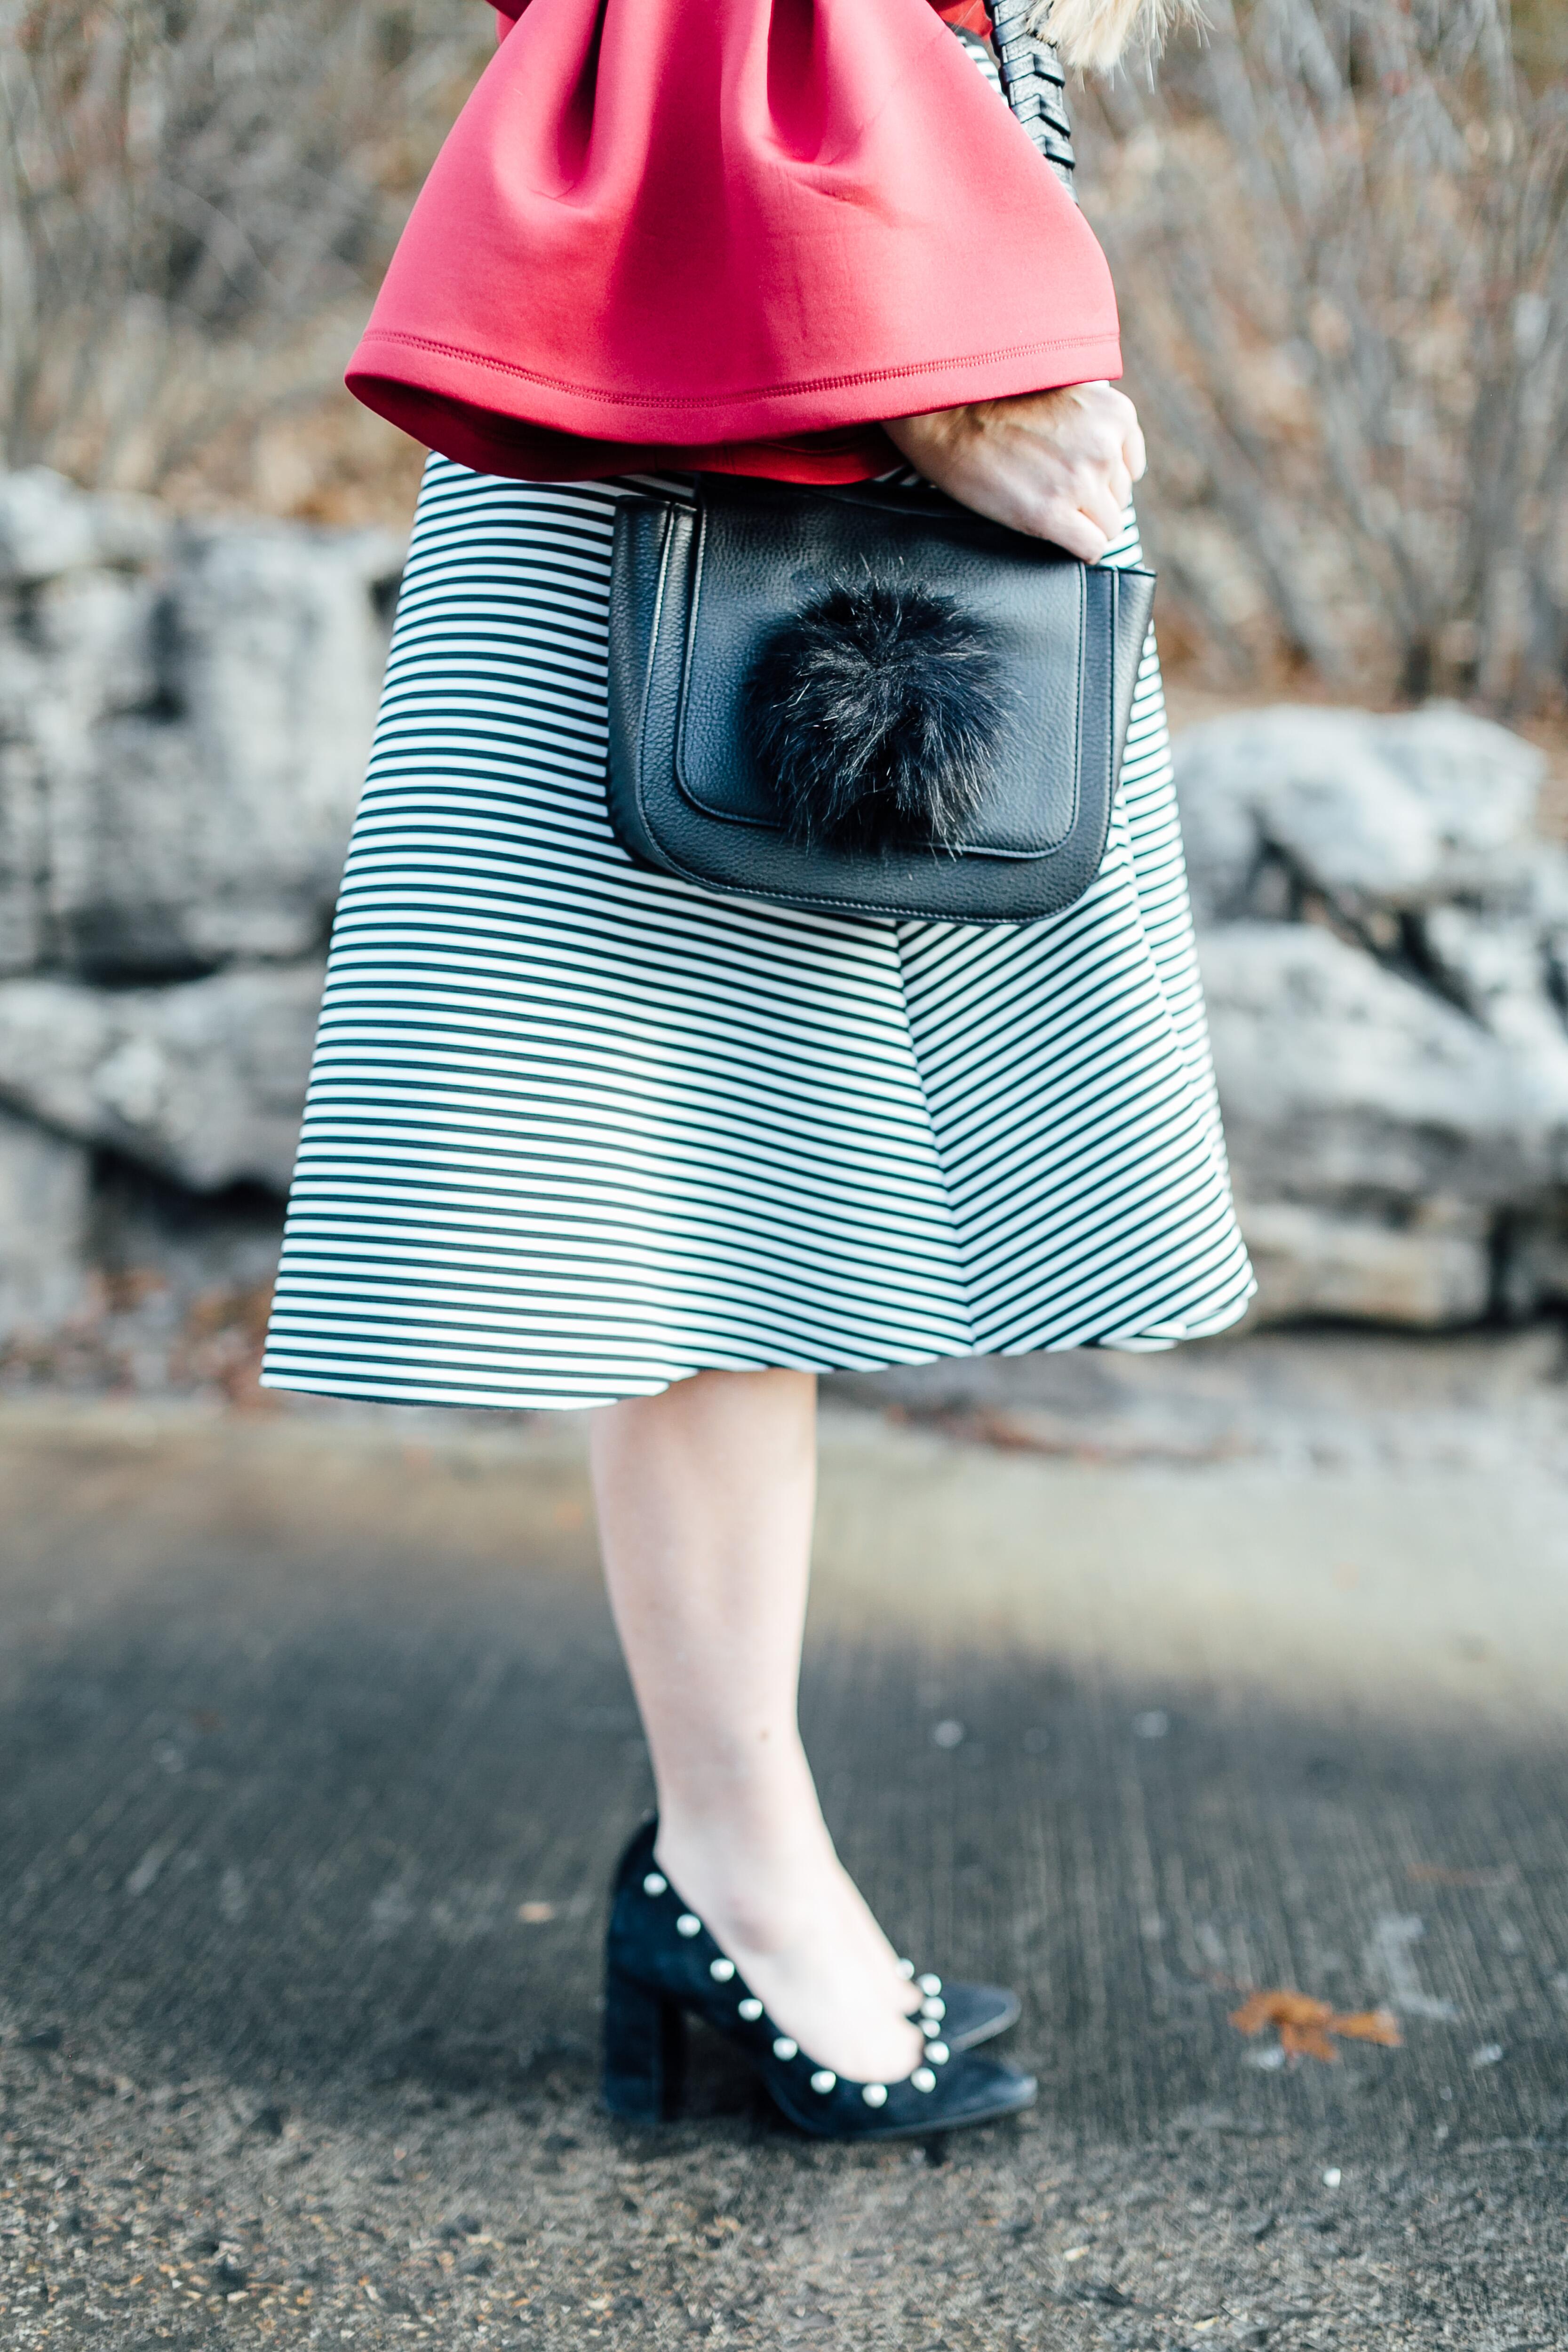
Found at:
<point>759,1882</point>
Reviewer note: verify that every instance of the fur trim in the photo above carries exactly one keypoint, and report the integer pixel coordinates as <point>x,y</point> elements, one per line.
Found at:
<point>1092,34</point>
<point>875,714</point>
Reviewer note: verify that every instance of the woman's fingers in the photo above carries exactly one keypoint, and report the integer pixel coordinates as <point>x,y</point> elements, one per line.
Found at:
<point>1109,417</point>
<point>1060,465</point>
<point>1069,527</point>
<point>1081,509</point>
<point>1097,500</point>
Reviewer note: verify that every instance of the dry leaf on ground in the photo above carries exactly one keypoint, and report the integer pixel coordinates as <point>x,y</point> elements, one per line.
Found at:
<point>1304,2025</point>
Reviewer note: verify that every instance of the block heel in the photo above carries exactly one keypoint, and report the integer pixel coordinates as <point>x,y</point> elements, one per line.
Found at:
<point>645,2051</point>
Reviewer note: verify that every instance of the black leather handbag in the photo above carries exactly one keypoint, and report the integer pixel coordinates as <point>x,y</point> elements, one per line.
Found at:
<point>871,700</point>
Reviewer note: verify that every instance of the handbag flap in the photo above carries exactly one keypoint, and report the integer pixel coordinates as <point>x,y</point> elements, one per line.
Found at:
<point>759,559</point>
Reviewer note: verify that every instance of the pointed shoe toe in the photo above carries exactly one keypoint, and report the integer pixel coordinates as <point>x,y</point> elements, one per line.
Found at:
<point>965,2014</point>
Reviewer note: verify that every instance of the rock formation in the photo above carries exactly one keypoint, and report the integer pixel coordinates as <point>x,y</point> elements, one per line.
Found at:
<point>1382,933</point>
<point>184,708</point>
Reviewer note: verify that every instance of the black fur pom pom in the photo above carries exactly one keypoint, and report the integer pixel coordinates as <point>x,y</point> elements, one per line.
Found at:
<point>874,714</point>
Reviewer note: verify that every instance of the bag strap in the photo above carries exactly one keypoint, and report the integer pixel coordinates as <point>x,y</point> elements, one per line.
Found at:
<point>1033,83</point>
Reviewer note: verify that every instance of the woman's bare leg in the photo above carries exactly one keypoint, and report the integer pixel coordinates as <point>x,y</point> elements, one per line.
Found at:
<point>705,1495</point>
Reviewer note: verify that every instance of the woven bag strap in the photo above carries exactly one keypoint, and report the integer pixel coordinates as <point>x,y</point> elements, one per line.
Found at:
<point>1034,83</point>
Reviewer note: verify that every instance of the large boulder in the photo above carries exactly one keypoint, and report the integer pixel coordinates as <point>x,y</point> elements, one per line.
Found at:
<point>1344,1081</point>
<point>1434,1269</point>
<point>1384,935</point>
<point>48,527</point>
<point>183,721</point>
<point>1373,814</point>
<point>203,1081</point>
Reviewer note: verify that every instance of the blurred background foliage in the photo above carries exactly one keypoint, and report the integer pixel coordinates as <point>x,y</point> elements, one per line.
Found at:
<point>1340,231</point>
<point>198,198</point>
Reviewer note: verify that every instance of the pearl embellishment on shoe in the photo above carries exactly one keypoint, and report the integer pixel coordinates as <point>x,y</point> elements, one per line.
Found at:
<point>931,1984</point>
<point>688,1924</point>
<point>906,1967</point>
<point>721,1970</point>
<point>933,2008</point>
<point>785,2049</point>
<point>923,2079</point>
<point>823,2080</point>
<point>875,2094</point>
<point>655,1883</point>
<point>937,2052</point>
<point>751,2008</point>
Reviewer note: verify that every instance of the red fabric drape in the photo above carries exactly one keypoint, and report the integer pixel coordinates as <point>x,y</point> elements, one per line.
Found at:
<point>731,234</point>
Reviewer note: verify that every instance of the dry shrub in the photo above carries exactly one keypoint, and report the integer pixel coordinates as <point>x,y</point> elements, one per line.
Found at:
<point>1340,231</point>
<point>196,200</point>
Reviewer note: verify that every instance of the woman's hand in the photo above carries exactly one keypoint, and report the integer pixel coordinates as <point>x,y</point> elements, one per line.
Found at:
<point>1057,464</point>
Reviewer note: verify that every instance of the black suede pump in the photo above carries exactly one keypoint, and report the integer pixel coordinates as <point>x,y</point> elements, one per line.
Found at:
<point>662,1962</point>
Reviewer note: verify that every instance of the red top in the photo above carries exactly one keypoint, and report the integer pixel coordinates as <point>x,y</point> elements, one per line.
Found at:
<point>731,234</point>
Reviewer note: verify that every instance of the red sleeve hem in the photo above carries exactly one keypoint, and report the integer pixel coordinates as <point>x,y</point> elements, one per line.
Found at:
<point>490,443</point>
<point>499,418</point>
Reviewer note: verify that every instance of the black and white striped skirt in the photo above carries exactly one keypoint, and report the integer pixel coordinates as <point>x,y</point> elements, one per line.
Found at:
<point>575,1131</point>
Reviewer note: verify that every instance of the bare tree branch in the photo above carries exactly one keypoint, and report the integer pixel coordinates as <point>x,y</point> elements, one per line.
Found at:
<point>1340,230</point>
<point>188,188</point>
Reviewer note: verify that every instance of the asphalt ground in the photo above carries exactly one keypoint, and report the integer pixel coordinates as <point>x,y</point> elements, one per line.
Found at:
<point>315,1752</point>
